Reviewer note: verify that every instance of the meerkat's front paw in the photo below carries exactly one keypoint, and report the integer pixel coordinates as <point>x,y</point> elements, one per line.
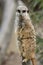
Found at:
<point>25,60</point>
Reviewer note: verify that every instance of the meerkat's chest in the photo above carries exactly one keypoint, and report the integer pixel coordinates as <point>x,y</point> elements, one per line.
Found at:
<point>24,30</point>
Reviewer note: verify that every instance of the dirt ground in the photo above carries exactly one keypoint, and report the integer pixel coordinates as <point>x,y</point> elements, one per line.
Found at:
<point>12,59</point>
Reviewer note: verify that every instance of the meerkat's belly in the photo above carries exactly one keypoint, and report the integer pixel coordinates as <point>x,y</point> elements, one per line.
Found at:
<point>26,40</point>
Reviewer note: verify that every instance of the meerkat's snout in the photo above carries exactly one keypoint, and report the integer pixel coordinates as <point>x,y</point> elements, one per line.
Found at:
<point>21,17</point>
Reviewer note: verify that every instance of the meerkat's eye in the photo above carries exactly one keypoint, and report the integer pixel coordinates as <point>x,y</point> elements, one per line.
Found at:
<point>18,11</point>
<point>24,11</point>
<point>27,11</point>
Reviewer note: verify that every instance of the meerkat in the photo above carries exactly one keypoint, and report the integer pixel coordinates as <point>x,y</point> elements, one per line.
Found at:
<point>26,35</point>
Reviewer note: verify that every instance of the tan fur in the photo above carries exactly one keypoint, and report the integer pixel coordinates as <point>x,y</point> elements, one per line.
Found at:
<point>27,40</point>
<point>26,35</point>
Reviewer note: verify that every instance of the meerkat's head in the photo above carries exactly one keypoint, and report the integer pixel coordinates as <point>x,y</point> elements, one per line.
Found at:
<point>22,11</point>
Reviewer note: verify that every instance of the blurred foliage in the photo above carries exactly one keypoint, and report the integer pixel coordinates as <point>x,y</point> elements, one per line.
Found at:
<point>36,10</point>
<point>39,42</point>
<point>36,13</point>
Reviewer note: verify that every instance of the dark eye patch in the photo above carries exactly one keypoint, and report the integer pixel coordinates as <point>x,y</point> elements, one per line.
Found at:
<point>24,11</point>
<point>27,11</point>
<point>18,11</point>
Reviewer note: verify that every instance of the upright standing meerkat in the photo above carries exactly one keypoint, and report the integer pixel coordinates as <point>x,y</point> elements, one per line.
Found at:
<point>26,35</point>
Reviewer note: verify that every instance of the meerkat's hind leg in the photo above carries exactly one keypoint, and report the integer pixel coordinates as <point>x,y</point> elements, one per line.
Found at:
<point>33,61</point>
